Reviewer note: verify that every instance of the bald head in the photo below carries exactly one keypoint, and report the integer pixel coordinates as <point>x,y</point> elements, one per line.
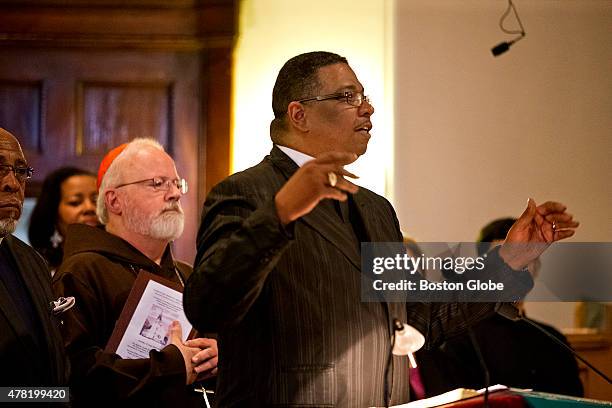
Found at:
<point>141,159</point>
<point>12,185</point>
<point>8,141</point>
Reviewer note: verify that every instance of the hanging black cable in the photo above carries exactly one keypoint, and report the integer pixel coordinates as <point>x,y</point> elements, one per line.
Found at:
<point>505,45</point>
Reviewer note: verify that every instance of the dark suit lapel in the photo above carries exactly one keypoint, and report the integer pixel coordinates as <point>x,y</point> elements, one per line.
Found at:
<point>32,281</point>
<point>326,222</point>
<point>38,294</point>
<point>7,308</point>
<point>323,219</point>
<point>372,224</point>
<point>375,232</point>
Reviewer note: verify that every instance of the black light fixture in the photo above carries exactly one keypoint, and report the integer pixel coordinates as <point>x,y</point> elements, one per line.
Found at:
<point>505,45</point>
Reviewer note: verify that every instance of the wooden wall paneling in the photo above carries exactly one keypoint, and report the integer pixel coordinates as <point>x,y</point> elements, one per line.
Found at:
<point>100,99</point>
<point>113,70</point>
<point>215,152</point>
<point>184,149</point>
<point>596,348</point>
<point>21,111</point>
<point>109,114</point>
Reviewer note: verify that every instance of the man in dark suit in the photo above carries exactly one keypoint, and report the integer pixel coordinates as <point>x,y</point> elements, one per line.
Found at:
<point>31,348</point>
<point>278,266</point>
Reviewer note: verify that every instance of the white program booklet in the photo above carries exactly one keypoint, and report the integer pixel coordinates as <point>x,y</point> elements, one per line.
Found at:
<point>153,304</point>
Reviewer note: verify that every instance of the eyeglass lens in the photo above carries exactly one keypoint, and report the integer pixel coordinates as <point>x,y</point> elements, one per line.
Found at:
<point>356,99</point>
<point>165,185</point>
<point>21,172</point>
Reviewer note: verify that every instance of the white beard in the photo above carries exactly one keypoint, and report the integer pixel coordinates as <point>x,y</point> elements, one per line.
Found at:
<point>166,226</point>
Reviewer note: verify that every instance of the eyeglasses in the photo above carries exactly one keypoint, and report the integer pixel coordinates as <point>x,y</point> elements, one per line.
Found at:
<point>352,98</point>
<point>22,173</point>
<point>162,184</point>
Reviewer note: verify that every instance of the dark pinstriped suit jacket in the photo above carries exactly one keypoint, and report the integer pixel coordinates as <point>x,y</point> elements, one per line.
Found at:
<point>286,303</point>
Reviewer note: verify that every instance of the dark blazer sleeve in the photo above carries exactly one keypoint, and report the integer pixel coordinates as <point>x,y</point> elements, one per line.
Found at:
<point>443,321</point>
<point>239,242</point>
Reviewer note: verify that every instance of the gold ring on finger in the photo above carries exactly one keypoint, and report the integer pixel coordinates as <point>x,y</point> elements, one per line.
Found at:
<point>332,179</point>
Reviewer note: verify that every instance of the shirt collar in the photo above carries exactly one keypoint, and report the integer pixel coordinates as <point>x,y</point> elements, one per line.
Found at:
<point>298,157</point>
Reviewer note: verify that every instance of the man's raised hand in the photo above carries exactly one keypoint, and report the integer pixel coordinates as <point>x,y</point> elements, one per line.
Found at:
<point>534,231</point>
<point>311,184</point>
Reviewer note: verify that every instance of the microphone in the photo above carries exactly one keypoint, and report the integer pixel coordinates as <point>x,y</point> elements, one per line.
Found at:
<point>478,351</point>
<point>509,311</point>
<point>502,47</point>
<point>405,340</point>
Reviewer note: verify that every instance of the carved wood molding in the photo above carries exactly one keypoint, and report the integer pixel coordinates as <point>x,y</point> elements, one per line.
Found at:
<point>108,41</point>
<point>110,3</point>
<point>141,24</point>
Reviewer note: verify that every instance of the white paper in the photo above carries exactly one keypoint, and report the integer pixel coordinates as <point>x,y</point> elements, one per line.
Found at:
<point>448,397</point>
<point>159,306</point>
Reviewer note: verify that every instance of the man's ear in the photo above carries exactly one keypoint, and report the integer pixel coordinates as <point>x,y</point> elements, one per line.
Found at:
<point>112,202</point>
<point>297,116</point>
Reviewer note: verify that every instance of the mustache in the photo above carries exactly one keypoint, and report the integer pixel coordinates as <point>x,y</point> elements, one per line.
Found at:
<point>12,203</point>
<point>173,206</point>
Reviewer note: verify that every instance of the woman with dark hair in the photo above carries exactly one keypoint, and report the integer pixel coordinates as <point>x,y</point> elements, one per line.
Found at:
<point>68,196</point>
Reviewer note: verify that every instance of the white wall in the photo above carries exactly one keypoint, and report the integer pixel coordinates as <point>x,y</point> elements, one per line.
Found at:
<point>476,136</point>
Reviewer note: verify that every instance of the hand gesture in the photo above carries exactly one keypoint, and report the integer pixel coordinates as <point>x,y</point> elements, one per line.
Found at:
<point>534,231</point>
<point>316,180</point>
<point>205,361</point>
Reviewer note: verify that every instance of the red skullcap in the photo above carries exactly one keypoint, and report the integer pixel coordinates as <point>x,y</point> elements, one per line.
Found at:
<point>108,160</point>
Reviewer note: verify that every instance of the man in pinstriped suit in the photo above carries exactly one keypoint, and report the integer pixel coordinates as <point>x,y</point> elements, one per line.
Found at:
<point>277,272</point>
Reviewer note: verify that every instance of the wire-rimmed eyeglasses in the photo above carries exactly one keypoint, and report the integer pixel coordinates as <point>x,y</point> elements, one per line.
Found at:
<point>22,173</point>
<point>161,184</point>
<point>352,98</point>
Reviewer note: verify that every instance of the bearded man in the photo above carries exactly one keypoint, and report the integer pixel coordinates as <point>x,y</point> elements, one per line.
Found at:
<point>139,206</point>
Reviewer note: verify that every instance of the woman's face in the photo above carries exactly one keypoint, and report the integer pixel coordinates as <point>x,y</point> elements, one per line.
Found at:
<point>78,202</point>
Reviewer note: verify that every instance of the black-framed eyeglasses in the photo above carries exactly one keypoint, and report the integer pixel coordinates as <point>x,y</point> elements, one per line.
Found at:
<point>22,173</point>
<point>161,184</point>
<point>352,98</point>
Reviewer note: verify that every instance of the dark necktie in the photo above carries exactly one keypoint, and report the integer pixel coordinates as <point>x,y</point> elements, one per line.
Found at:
<point>342,208</point>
